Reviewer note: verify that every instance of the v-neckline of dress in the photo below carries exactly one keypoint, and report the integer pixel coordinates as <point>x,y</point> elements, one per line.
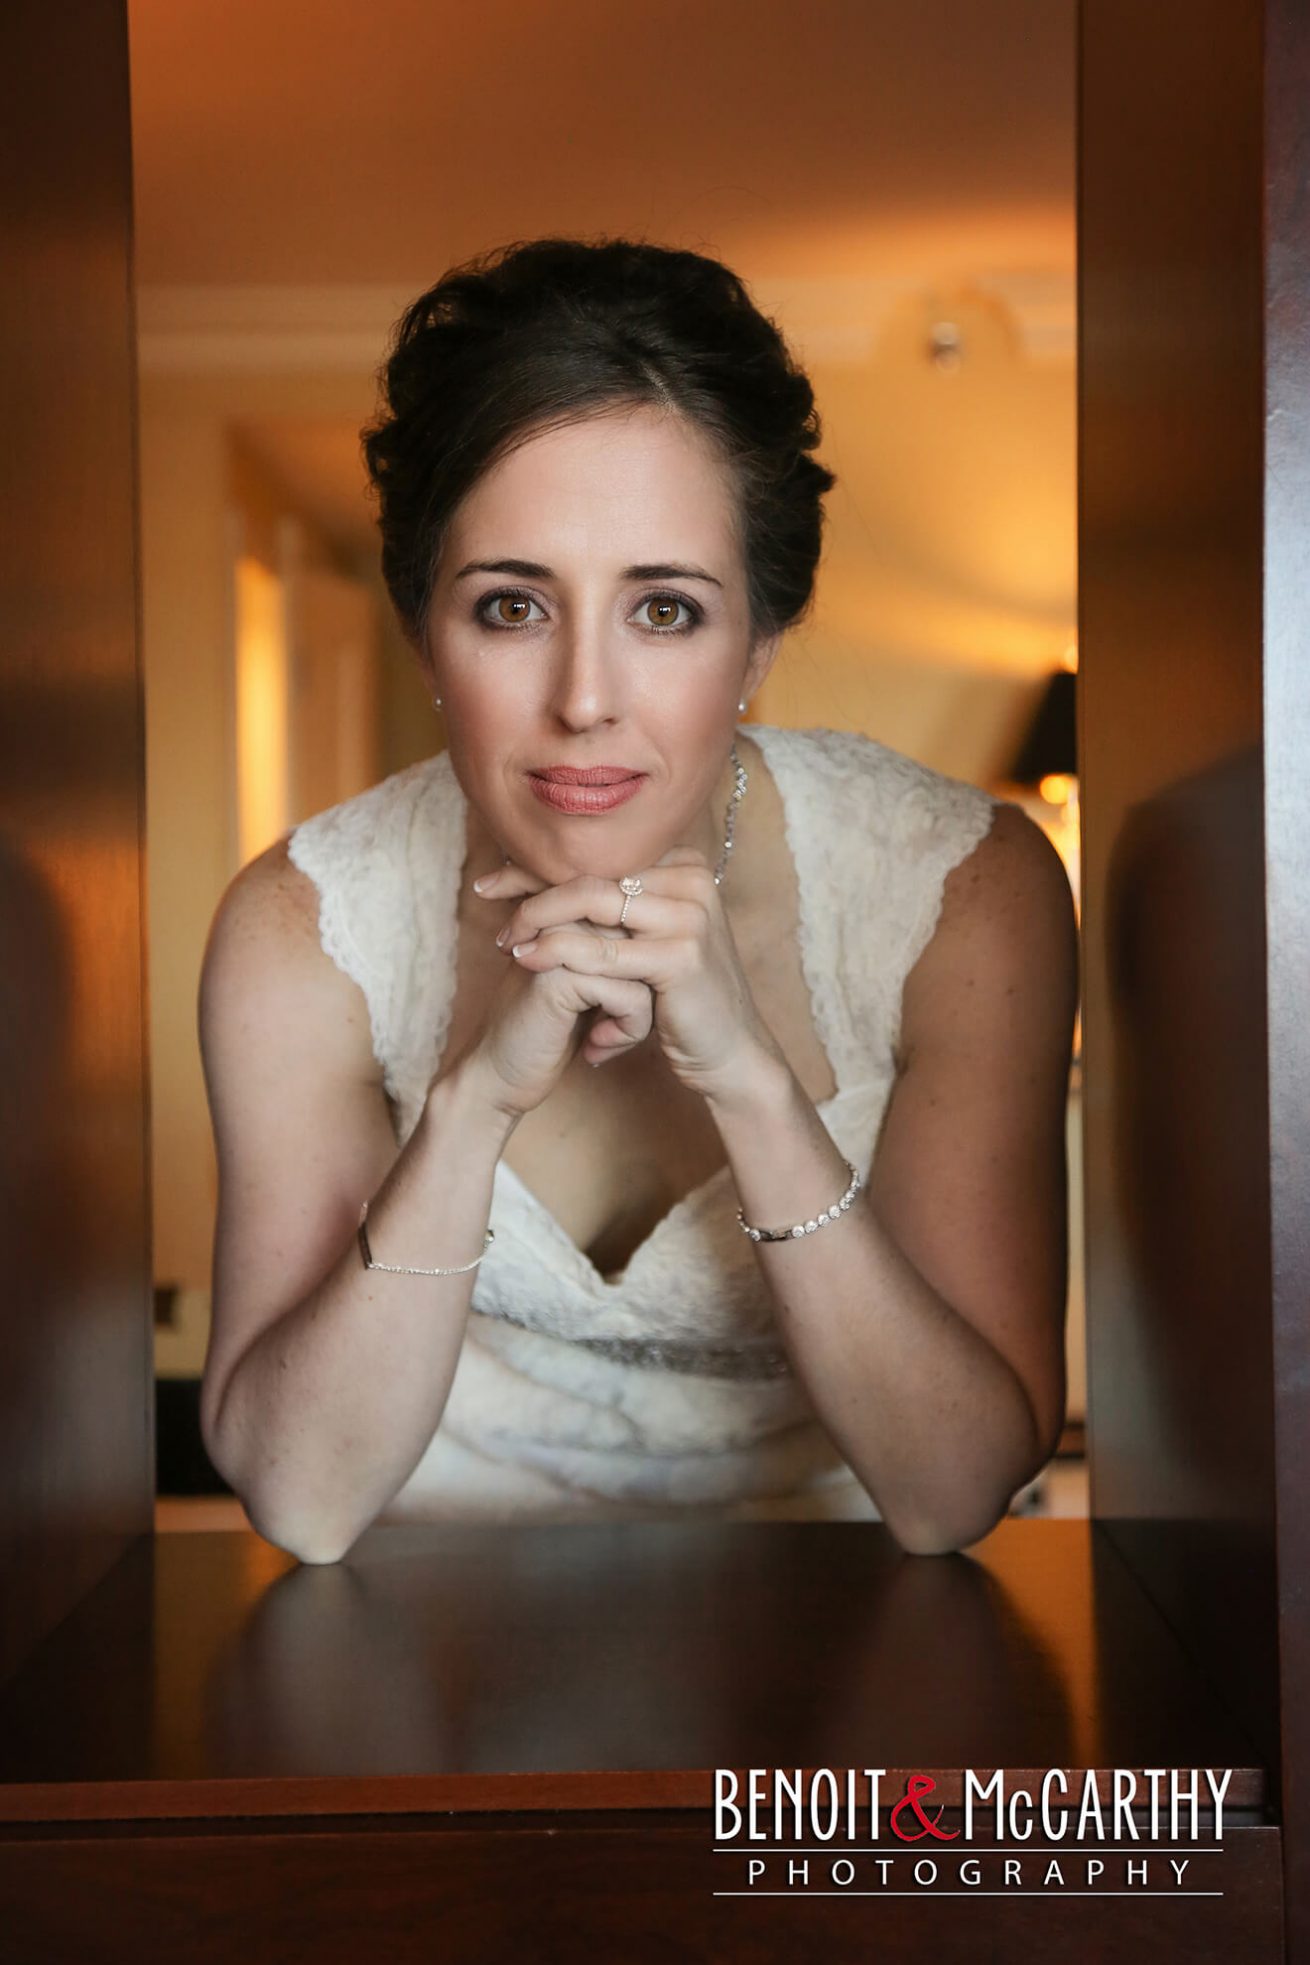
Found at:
<point>823,1028</point>
<point>623,1277</point>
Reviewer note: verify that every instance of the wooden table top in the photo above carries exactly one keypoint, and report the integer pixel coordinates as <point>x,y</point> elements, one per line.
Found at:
<point>594,1665</point>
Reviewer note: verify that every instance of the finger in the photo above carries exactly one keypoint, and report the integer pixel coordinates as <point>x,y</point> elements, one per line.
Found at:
<point>577,991</point>
<point>504,882</point>
<point>626,1013</point>
<point>648,914</point>
<point>682,874</point>
<point>612,1033</point>
<point>607,1034</point>
<point>608,1039</point>
<point>629,1006</point>
<point>641,959</point>
<point>625,1020</point>
<point>589,898</point>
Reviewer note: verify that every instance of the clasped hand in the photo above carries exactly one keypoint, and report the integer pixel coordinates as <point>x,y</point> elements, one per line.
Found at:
<point>676,940</point>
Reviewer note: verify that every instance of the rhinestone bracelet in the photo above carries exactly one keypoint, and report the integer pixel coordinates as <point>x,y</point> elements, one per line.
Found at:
<point>803,1227</point>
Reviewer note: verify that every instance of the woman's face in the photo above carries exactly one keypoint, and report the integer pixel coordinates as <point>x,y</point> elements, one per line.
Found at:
<point>590,611</point>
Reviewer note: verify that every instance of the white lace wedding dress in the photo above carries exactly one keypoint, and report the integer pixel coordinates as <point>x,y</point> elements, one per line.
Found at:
<point>664,1388</point>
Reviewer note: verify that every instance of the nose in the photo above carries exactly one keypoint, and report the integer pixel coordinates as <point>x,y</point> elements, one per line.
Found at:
<point>586,682</point>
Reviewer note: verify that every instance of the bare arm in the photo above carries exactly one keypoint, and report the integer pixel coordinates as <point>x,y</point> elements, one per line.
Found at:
<point>325,1382</point>
<point>927,1323</point>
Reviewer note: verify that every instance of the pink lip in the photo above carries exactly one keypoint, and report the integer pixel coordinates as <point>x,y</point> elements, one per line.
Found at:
<point>586,774</point>
<point>599,788</point>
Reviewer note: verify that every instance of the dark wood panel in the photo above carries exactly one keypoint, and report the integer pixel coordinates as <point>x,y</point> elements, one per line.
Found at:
<point>638,1891</point>
<point>1172,534</point>
<point>1194,519</point>
<point>75,1326</point>
<point>1287,844</point>
<point>587,1664</point>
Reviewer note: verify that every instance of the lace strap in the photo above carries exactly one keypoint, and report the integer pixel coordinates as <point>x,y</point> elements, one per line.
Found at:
<point>873,834</point>
<point>386,865</point>
<point>816,832</point>
<point>931,822</point>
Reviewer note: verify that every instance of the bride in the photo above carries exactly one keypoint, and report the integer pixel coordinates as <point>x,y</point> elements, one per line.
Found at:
<point>630,1110</point>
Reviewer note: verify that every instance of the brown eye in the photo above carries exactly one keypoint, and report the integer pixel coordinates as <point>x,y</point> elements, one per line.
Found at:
<point>661,613</point>
<point>506,610</point>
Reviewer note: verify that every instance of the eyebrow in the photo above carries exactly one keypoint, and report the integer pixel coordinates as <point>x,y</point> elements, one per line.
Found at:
<point>528,569</point>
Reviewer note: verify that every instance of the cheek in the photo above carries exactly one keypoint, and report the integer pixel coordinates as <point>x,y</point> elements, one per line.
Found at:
<point>690,708</point>
<point>483,734</point>
<point>485,709</point>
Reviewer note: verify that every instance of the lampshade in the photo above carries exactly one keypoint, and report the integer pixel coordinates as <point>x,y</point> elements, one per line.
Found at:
<point>1050,742</point>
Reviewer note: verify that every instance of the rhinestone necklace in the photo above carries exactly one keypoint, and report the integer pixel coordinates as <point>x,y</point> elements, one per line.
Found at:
<point>730,817</point>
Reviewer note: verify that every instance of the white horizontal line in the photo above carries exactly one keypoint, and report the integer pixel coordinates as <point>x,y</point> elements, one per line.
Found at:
<point>1051,1849</point>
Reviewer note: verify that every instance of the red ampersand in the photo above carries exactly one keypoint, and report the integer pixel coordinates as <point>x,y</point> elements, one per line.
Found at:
<point>917,1785</point>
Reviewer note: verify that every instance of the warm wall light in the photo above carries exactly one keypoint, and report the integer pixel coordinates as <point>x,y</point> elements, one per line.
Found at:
<point>1045,771</point>
<point>261,707</point>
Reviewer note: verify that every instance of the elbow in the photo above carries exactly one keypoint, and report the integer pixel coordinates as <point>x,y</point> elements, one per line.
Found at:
<point>311,1542</point>
<point>927,1535</point>
<point>931,1540</point>
<point>307,1535</point>
<point>309,1539</point>
<point>310,1551</point>
<point>961,1522</point>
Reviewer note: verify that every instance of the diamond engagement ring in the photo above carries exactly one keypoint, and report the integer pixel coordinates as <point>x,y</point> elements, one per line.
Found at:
<point>630,886</point>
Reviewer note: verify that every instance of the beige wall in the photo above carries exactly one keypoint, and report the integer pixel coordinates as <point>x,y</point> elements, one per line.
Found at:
<point>189,792</point>
<point>199,493</point>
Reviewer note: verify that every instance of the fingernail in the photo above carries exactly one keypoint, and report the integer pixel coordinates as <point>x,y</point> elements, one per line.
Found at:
<point>519,947</point>
<point>500,939</point>
<point>480,882</point>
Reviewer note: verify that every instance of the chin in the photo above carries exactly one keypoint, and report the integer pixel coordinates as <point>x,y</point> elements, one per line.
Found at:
<point>559,871</point>
<point>606,859</point>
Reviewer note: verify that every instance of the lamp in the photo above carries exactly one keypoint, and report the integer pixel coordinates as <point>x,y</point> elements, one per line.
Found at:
<point>1050,743</point>
<point>1044,768</point>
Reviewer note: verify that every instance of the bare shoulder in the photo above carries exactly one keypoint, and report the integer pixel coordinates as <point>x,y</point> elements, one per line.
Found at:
<point>265,971</point>
<point>270,894</point>
<point>1007,928</point>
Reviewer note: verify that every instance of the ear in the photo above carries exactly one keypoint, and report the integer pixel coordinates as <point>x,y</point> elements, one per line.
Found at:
<point>762,655</point>
<point>427,667</point>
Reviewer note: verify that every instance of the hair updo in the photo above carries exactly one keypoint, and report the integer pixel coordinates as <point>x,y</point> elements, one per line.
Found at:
<point>531,336</point>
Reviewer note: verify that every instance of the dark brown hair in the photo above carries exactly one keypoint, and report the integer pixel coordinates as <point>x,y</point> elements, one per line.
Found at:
<point>539,333</point>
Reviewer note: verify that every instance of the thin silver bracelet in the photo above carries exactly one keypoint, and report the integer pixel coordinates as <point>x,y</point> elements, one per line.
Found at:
<point>400,1269</point>
<point>803,1227</point>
